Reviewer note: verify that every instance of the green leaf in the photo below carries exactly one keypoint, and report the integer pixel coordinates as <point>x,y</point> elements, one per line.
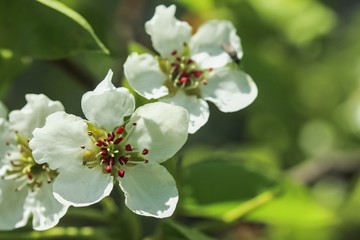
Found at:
<point>45,29</point>
<point>225,188</point>
<point>188,233</point>
<point>3,110</point>
<point>10,67</point>
<point>295,207</point>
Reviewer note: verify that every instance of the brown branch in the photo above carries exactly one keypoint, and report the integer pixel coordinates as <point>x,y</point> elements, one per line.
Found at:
<point>345,163</point>
<point>79,74</point>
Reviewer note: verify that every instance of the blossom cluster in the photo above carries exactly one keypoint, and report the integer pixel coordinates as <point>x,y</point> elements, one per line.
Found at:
<point>51,160</point>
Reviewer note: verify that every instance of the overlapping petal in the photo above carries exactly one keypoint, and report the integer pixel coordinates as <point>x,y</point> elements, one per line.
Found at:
<point>33,114</point>
<point>59,142</point>
<point>79,186</point>
<point>161,128</point>
<point>13,213</point>
<point>198,109</point>
<point>7,137</point>
<point>145,76</point>
<point>166,32</point>
<point>45,209</point>
<point>211,44</point>
<point>229,89</point>
<point>107,106</point>
<point>150,190</point>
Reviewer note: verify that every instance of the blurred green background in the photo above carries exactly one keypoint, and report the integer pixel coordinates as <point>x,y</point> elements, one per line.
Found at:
<point>286,167</point>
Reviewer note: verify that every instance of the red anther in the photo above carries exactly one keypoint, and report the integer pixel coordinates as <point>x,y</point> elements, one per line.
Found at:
<point>121,173</point>
<point>190,61</point>
<point>108,169</point>
<point>178,59</point>
<point>104,151</point>
<point>111,160</point>
<point>174,52</point>
<point>110,137</point>
<point>29,176</point>
<point>123,160</point>
<point>197,73</point>
<point>120,130</point>
<point>128,148</point>
<point>104,159</point>
<point>184,80</point>
<point>118,140</point>
<point>134,124</point>
<point>99,143</point>
<point>145,151</point>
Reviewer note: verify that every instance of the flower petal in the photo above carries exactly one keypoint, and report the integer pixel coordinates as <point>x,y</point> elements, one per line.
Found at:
<point>79,186</point>
<point>7,138</point>
<point>230,90</point>
<point>45,209</point>
<point>213,44</point>
<point>149,190</point>
<point>33,114</point>
<point>145,76</point>
<point>107,106</point>
<point>166,32</point>
<point>13,214</point>
<point>3,110</point>
<point>59,142</point>
<point>159,125</point>
<point>198,109</point>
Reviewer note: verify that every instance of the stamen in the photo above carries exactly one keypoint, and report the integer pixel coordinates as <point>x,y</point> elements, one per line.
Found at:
<point>108,169</point>
<point>120,130</point>
<point>121,173</point>
<point>128,148</point>
<point>174,52</point>
<point>145,151</point>
<point>117,141</point>
<point>123,160</point>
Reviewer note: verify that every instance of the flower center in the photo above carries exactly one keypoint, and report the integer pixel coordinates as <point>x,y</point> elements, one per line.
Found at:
<point>22,167</point>
<point>185,73</point>
<point>111,151</point>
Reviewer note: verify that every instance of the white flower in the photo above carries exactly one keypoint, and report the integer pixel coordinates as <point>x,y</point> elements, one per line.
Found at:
<point>191,69</point>
<point>25,186</point>
<point>92,155</point>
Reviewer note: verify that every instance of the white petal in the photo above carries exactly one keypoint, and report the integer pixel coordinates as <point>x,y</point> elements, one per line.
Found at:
<point>166,32</point>
<point>149,190</point>
<point>161,128</point>
<point>107,106</point>
<point>106,84</point>
<point>3,110</point>
<point>33,114</point>
<point>212,43</point>
<point>13,214</point>
<point>80,186</point>
<point>230,90</point>
<point>7,138</point>
<point>45,209</point>
<point>145,76</point>
<point>59,142</point>
<point>198,109</point>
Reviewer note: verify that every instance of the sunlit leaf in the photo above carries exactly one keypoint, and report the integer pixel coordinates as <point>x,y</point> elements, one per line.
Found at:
<point>45,29</point>
<point>300,20</point>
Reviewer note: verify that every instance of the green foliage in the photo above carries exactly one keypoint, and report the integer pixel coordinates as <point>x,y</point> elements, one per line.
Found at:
<point>285,167</point>
<point>56,30</point>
